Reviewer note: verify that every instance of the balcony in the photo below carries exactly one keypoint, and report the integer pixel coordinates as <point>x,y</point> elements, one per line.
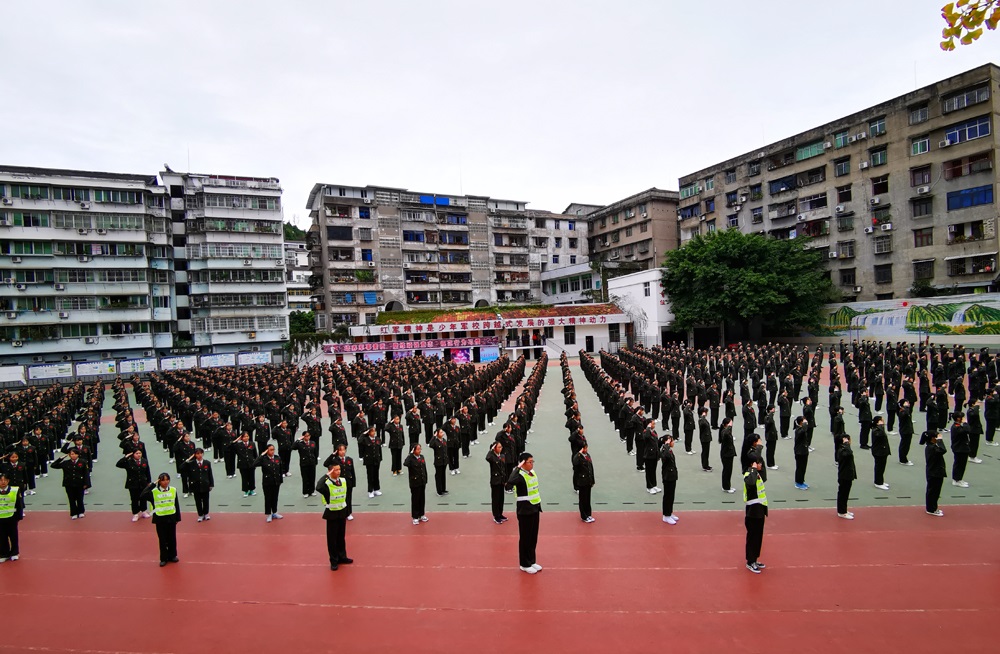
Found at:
<point>505,222</point>
<point>984,263</point>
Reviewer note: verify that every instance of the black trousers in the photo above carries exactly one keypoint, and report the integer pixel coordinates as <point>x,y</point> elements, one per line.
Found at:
<point>201,503</point>
<point>933,493</point>
<point>843,492</point>
<point>247,479</point>
<point>496,499</point>
<point>640,460</point>
<point>880,462</point>
<point>418,499</point>
<point>230,460</point>
<point>527,529</point>
<point>308,472</point>
<point>285,454</point>
<point>372,474</point>
<point>974,445</point>
<point>991,430</point>
<point>350,497</point>
<point>706,446</point>
<point>397,459</point>
<point>688,440</point>
<point>650,475</point>
<point>336,532</point>
<point>166,532</point>
<point>727,472</point>
<point>8,538</point>
<point>465,440</point>
<point>755,536</point>
<point>669,491</point>
<point>585,508</point>
<point>958,468</point>
<point>75,496</point>
<point>891,422</point>
<point>772,445</point>
<point>784,421</point>
<point>452,458</point>
<point>138,506</point>
<point>439,479</point>
<point>271,498</point>
<point>866,428</point>
<point>801,462</point>
<point>904,447</point>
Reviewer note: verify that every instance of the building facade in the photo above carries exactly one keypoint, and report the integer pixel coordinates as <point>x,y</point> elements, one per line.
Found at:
<point>297,273</point>
<point>573,284</point>
<point>898,194</point>
<point>640,295</point>
<point>633,233</point>
<point>385,249</point>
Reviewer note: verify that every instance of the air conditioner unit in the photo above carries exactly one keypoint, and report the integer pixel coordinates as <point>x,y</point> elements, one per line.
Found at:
<point>743,198</point>
<point>83,258</point>
<point>84,205</point>
<point>644,214</point>
<point>874,201</point>
<point>367,200</point>
<point>863,165</point>
<point>831,255</point>
<point>90,340</point>
<point>857,289</point>
<point>852,139</point>
<point>371,264</point>
<point>406,265</point>
<point>760,155</point>
<point>887,227</point>
<point>737,207</point>
<point>60,287</point>
<point>945,143</point>
<point>6,222</point>
<point>16,343</point>
<point>493,209</point>
<point>702,218</point>
<point>67,357</point>
<point>82,231</point>
<point>827,145</point>
<point>38,359</point>
<point>107,355</point>
<point>22,287</point>
<point>11,315</point>
<point>148,353</point>
<point>862,135</point>
<point>15,259</point>
<point>869,230</point>
<point>923,190</point>
<point>247,262</point>
<point>8,280</point>
<point>8,201</point>
<point>102,232</point>
<point>63,315</point>
<point>841,208</point>
<point>800,217</point>
<point>256,348</point>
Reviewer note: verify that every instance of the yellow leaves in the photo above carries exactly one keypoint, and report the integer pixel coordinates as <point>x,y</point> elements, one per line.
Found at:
<point>965,20</point>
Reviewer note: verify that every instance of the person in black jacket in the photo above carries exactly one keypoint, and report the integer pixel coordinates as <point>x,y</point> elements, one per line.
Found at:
<point>727,451</point>
<point>498,475</point>
<point>880,451</point>
<point>755,499</point>
<point>936,470</point>
<point>308,449</point>
<point>370,447</point>
<point>801,452</point>
<point>201,481</point>
<point>417,472</point>
<point>439,443</point>
<point>846,474</point>
<point>165,516</point>
<point>14,500</point>
<point>961,448</point>
<point>396,443</point>
<point>905,416</point>
<point>271,477</point>
<point>347,472</point>
<point>649,448</point>
<point>524,482</point>
<point>335,511</point>
<point>137,477</point>
<point>76,479</point>
<point>583,480</point>
<point>246,453</point>
<point>669,475</point>
<point>705,437</point>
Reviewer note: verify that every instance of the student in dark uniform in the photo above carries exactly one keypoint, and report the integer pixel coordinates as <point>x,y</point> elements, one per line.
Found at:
<point>801,451</point>
<point>308,449</point>
<point>334,490</point>
<point>271,477</point>
<point>937,469</point>
<point>76,480</point>
<point>370,447</point>
<point>198,470</point>
<point>583,480</point>
<point>137,478</point>
<point>246,454</point>
<point>11,512</point>
<point>417,469</point>
<point>669,470</point>
<point>755,498</point>
<point>880,451</point>
<point>166,515</point>
<point>524,482</point>
<point>727,452</point>
<point>396,444</point>
<point>346,473</point>
<point>498,475</point>
<point>439,443</point>
<point>846,474</point>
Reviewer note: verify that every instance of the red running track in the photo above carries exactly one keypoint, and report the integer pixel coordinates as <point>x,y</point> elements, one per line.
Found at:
<point>893,580</point>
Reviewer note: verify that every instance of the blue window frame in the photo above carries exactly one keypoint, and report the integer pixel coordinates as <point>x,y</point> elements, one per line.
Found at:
<point>970,197</point>
<point>972,129</point>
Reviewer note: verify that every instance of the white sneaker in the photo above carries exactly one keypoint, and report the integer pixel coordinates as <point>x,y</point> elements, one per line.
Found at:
<point>938,514</point>
<point>651,491</point>
<point>186,494</point>
<point>144,514</point>
<point>268,519</point>
<point>451,472</point>
<point>458,471</point>
<point>657,489</point>
<point>424,518</point>
<point>590,518</point>
<point>277,516</point>
<point>537,567</point>
<point>973,460</point>
<point>906,463</point>
<point>772,467</point>
<point>135,518</point>
<point>529,570</point>
<point>350,517</point>
<point>14,558</point>
<point>990,443</point>
<point>812,449</point>
<point>372,494</point>
<point>200,519</point>
<point>416,521</point>
<point>208,517</point>
<point>850,514</point>
<point>670,520</point>
<point>377,493</point>
<point>882,486</point>
<point>305,495</point>
<point>729,490</point>
<point>846,516</point>
<point>963,484</point>
<point>170,461</point>
<point>73,517</point>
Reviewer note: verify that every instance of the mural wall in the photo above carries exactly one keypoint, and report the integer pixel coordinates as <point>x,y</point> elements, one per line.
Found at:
<point>954,315</point>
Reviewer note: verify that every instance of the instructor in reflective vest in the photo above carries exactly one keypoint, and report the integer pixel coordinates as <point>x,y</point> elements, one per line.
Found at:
<point>524,482</point>
<point>166,515</point>
<point>756,502</point>
<point>11,512</point>
<point>333,488</point>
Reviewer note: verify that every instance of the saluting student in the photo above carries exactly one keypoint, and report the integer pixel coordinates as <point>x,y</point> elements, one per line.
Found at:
<point>524,481</point>
<point>271,478</point>
<point>497,460</point>
<point>334,490</point>
<point>198,470</point>
<point>166,515</point>
<point>583,480</point>
<point>417,468</point>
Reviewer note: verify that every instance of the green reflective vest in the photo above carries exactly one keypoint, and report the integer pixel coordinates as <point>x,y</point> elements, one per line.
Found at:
<point>8,503</point>
<point>338,495</point>
<point>531,480</point>
<point>761,495</point>
<point>164,501</point>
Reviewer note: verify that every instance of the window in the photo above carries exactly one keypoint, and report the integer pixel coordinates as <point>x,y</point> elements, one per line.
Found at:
<point>844,194</point>
<point>573,243</point>
<point>881,216</point>
<point>757,215</point>
<point>558,241</point>
<point>923,237</point>
<point>969,130</point>
<point>840,139</point>
<point>920,144</point>
<point>555,258</point>
<point>572,259</point>
<point>809,151</point>
<point>689,190</point>
<point>556,224</point>
<point>782,185</point>
<point>880,185</point>
<point>883,244</point>
<point>645,289</point>
<point>848,277</point>
<point>709,183</point>
<point>883,274</point>
<point>27,219</point>
<point>569,335</point>
<point>709,205</point>
<point>364,233</point>
<point>418,237</point>
<point>878,156</point>
<point>753,169</point>
<point>586,283</point>
<point>366,255</point>
<point>876,127</point>
<point>71,194</point>
<point>883,296</point>
<point>574,284</point>
<point>643,227</point>
<point>918,114</point>
<point>920,176</point>
<point>628,232</point>
<point>731,176</point>
<point>923,269</point>
<point>845,249</point>
<point>966,99</point>
<point>615,218</point>
<point>571,225</point>
<point>732,198</point>
<point>604,222</point>
<point>564,286</point>
<point>922,207</point>
<point>977,163</point>
<point>733,220</point>
<point>842,167</point>
<point>756,192</point>
<point>710,226</point>
<point>120,197</point>
<point>812,202</point>
<point>970,197</point>
<point>845,223</point>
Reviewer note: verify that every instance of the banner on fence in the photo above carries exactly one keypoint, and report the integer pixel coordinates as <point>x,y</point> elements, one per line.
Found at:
<point>253,358</point>
<point>50,371</point>
<point>217,360</point>
<point>179,363</point>
<point>92,368</point>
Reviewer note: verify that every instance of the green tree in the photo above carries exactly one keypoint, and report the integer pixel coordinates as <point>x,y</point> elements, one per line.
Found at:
<point>966,19</point>
<point>731,277</point>
<point>302,322</point>
<point>293,233</point>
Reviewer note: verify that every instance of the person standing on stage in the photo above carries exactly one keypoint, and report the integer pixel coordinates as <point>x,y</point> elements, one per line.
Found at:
<point>498,475</point>
<point>755,498</point>
<point>308,448</point>
<point>198,471</point>
<point>937,470</point>
<point>166,515</point>
<point>11,512</point>
<point>271,477</point>
<point>417,468</point>
<point>846,474</point>
<point>137,478</point>
<point>583,479</point>
<point>669,474</point>
<point>524,482</point>
<point>334,490</point>
<point>76,480</point>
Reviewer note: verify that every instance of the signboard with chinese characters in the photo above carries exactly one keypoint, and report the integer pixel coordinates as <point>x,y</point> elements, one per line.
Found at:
<point>50,371</point>
<point>253,358</point>
<point>179,363</point>
<point>374,356</point>
<point>335,348</point>
<point>487,354</point>
<point>92,368</point>
<point>479,325</point>
<point>217,360</point>
<point>129,366</point>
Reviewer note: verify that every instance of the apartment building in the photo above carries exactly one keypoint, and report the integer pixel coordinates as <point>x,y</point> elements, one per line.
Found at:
<point>376,248</point>
<point>633,233</point>
<point>896,194</point>
<point>571,284</point>
<point>297,273</point>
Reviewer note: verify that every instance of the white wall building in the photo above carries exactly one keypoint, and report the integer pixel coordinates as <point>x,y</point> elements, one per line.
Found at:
<point>297,272</point>
<point>569,284</point>
<point>641,296</point>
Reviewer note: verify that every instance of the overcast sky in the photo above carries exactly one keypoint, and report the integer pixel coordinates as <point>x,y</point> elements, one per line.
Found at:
<point>547,102</point>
